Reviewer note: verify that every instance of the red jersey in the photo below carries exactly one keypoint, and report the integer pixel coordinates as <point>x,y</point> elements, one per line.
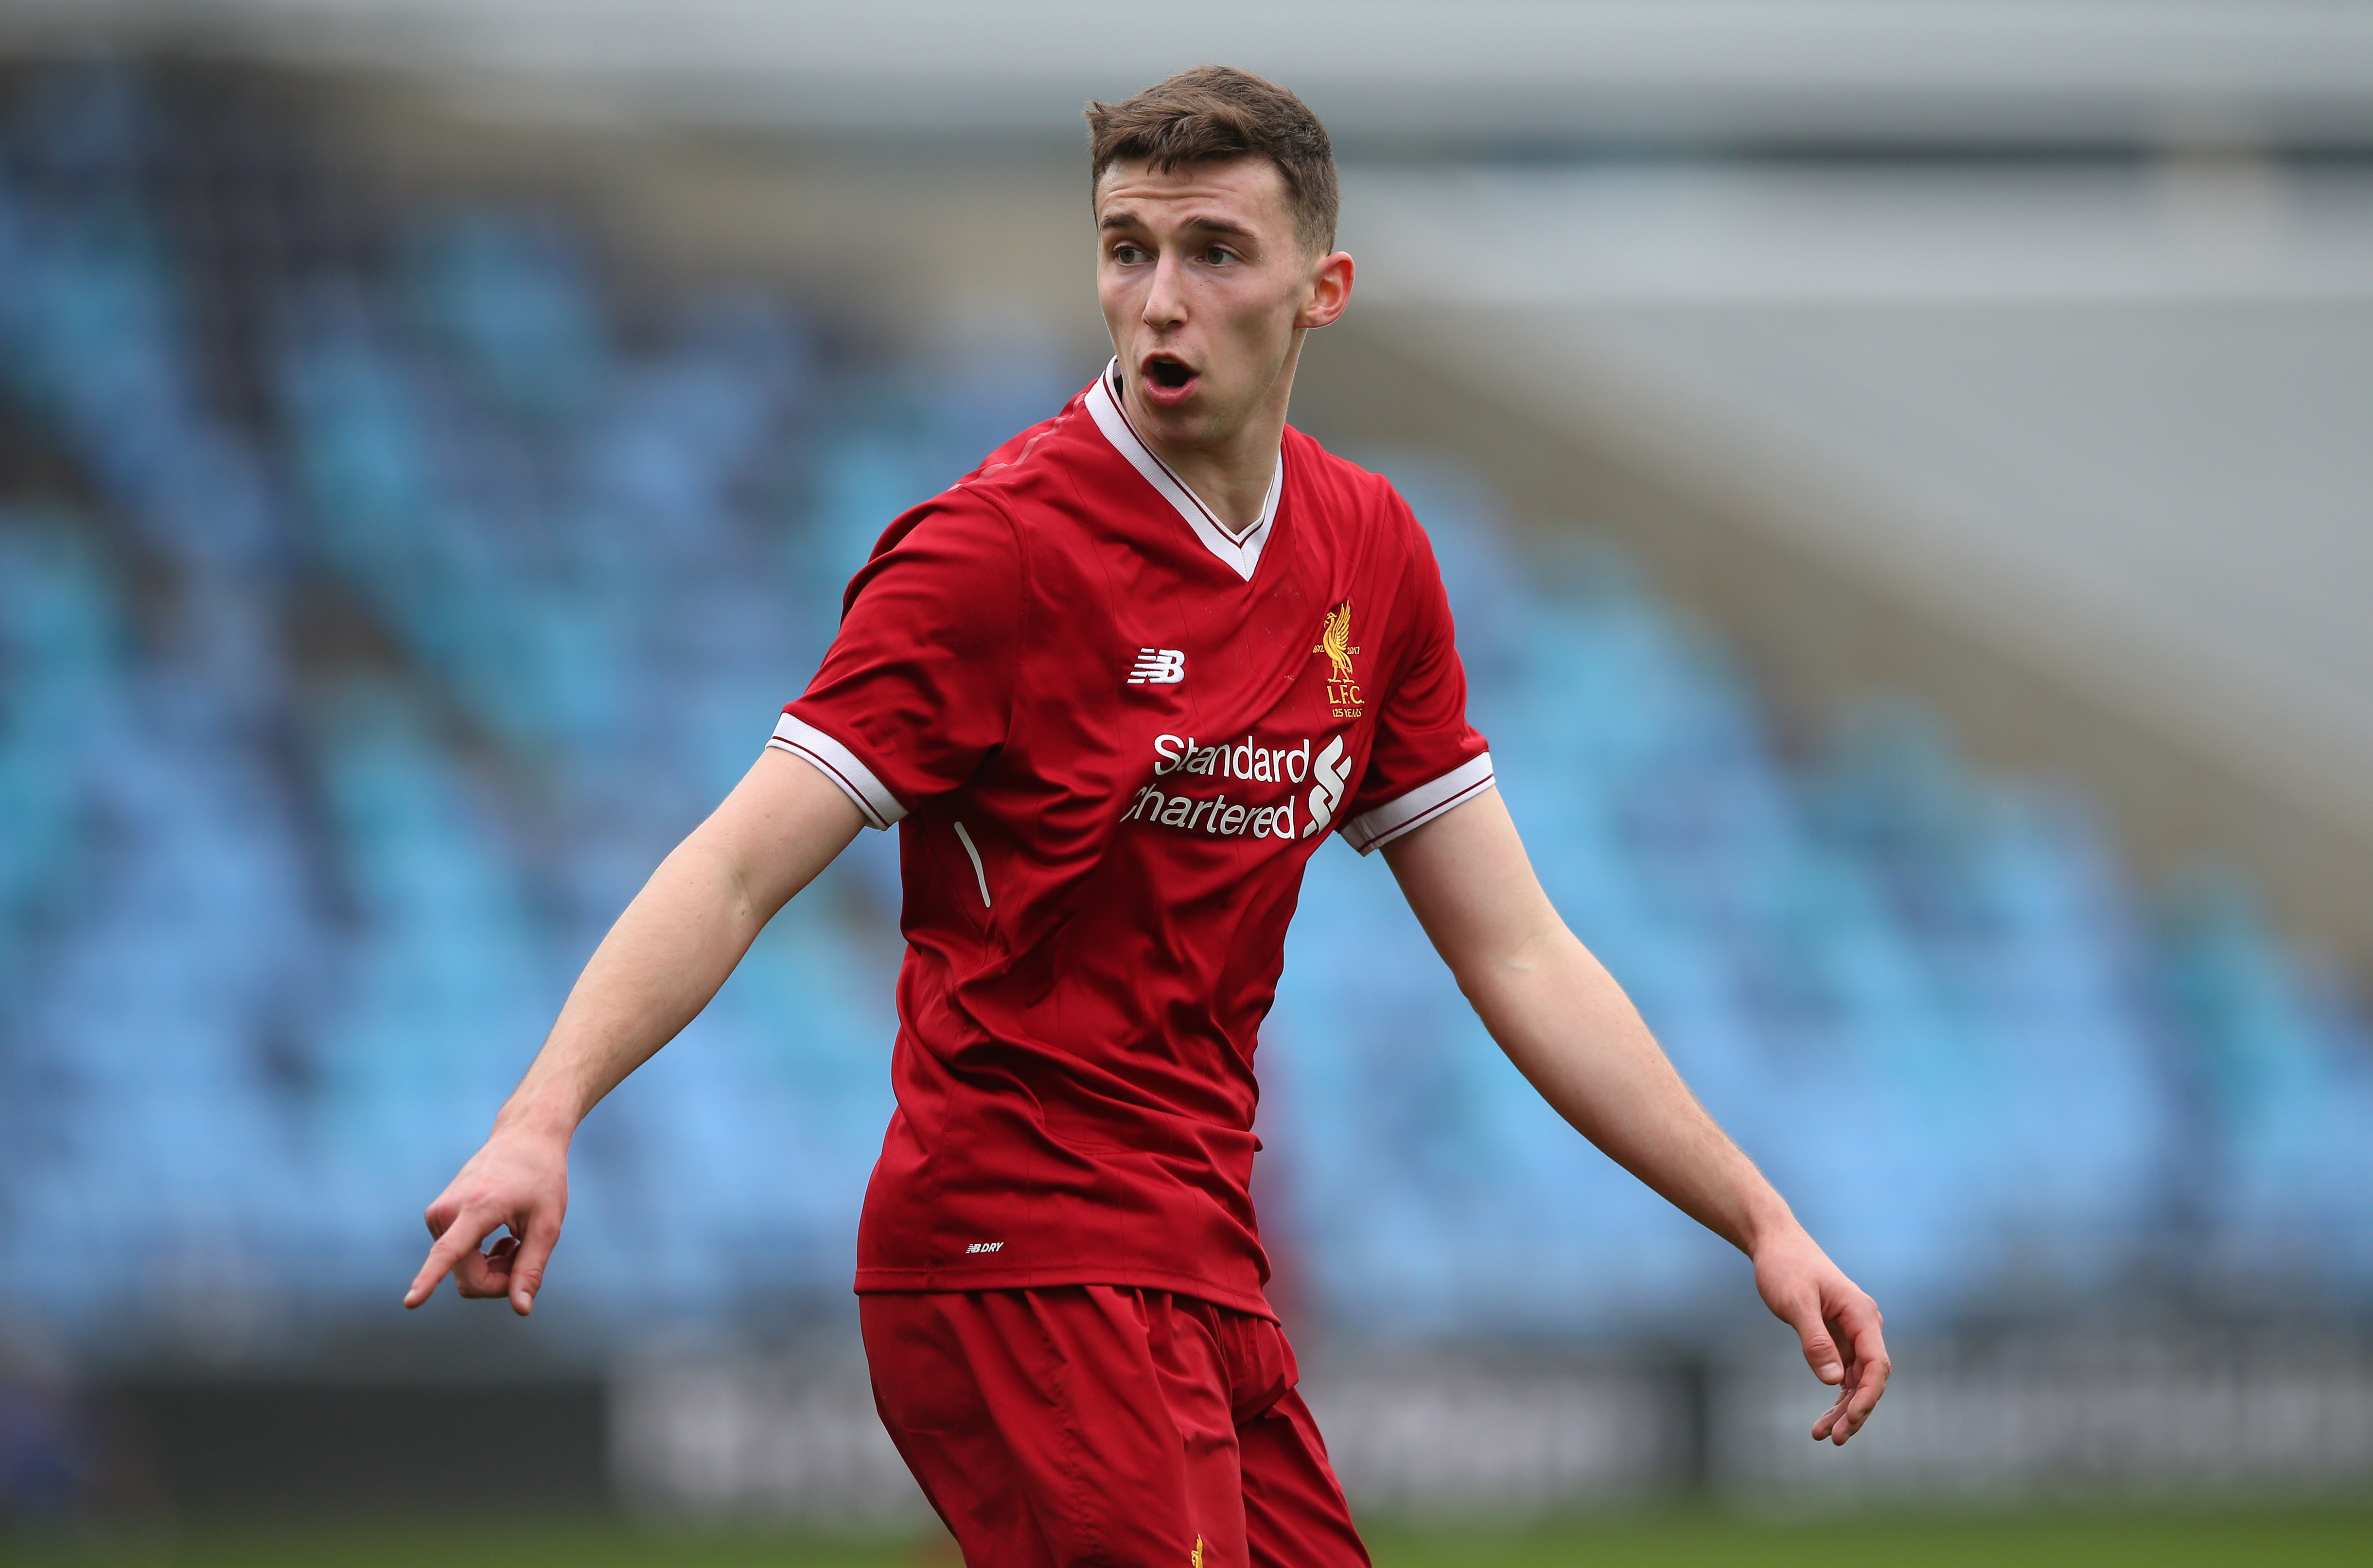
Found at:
<point>1113,734</point>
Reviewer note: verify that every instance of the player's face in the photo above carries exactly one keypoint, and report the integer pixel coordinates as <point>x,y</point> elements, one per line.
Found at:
<point>1207,290</point>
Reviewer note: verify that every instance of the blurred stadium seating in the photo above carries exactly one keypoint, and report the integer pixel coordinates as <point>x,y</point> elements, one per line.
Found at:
<point>383,590</point>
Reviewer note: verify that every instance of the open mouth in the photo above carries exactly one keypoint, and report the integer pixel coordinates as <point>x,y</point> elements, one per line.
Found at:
<point>1168,373</point>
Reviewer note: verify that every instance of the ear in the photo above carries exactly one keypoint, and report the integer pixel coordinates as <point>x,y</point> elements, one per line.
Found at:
<point>1330,291</point>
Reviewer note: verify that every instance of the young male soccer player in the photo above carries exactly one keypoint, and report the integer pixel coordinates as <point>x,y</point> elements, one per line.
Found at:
<point>1117,687</point>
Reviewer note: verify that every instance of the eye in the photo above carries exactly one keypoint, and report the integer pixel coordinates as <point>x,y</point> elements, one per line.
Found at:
<point>1218,256</point>
<point>1129,255</point>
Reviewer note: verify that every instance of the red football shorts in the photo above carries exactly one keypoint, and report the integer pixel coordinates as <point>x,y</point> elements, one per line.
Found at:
<point>1109,1425</point>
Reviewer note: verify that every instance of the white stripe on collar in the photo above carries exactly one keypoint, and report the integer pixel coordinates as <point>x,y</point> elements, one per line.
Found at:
<point>1241,555</point>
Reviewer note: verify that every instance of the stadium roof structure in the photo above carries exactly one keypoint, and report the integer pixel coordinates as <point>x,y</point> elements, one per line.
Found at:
<point>1382,72</point>
<point>2107,419</point>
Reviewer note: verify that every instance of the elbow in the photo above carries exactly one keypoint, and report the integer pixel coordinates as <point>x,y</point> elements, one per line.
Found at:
<point>1484,981</point>
<point>1488,976</point>
<point>712,873</point>
<point>1469,986</point>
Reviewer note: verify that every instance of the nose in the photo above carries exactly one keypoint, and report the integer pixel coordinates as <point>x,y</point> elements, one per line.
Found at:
<point>1165,301</point>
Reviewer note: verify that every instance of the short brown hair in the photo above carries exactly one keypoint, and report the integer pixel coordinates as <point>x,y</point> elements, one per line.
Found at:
<point>1213,115</point>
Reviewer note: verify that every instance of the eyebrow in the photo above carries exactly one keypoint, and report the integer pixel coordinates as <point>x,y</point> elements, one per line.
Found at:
<point>1125,219</point>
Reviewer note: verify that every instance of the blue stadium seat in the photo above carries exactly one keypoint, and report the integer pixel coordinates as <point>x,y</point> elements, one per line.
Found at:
<point>280,923</point>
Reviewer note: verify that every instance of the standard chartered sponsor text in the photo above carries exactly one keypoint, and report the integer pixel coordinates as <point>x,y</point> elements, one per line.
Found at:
<point>1243,760</point>
<point>1246,761</point>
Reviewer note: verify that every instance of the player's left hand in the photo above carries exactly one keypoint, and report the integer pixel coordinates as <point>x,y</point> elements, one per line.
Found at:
<point>1838,1324</point>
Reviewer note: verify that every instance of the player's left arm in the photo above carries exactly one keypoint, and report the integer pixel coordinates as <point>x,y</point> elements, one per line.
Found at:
<point>1569,1029</point>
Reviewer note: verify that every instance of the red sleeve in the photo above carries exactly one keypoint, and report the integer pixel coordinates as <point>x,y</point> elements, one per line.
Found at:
<point>1427,758</point>
<point>917,687</point>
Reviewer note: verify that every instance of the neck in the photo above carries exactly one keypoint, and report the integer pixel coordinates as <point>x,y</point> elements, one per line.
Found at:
<point>1231,474</point>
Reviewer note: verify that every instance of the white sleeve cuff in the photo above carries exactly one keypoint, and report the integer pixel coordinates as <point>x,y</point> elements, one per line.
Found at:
<point>840,764</point>
<point>1372,830</point>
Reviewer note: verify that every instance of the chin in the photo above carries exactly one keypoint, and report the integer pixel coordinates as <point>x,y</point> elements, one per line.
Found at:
<point>1187,427</point>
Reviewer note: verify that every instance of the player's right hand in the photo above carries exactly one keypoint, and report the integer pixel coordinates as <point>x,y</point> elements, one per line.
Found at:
<point>519,1180</point>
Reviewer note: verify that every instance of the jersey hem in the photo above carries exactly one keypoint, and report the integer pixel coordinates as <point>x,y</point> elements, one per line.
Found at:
<point>840,764</point>
<point>938,1281</point>
<point>1374,828</point>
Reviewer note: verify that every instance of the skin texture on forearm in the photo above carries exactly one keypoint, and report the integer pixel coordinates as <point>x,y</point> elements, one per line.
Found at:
<point>1569,1029</point>
<point>681,935</point>
<point>652,974</point>
<point>1565,1023</point>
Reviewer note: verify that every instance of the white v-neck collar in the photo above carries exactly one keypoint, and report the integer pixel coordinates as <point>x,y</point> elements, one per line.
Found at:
<point>1241,555</point>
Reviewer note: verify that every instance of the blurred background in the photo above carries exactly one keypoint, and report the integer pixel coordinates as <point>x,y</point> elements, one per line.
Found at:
<point>1902,472</point>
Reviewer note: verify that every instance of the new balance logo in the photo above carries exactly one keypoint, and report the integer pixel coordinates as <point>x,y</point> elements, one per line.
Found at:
<point>985,1246</point>
<point>1158,666</point>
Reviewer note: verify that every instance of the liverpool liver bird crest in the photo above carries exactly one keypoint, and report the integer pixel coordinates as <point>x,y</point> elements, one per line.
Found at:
<point>1335,642</point>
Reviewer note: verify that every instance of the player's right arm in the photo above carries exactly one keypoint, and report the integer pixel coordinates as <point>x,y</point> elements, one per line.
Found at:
<point>656,969</point>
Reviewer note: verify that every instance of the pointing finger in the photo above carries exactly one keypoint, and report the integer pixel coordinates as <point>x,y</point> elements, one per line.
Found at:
<point>457,1238</point>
